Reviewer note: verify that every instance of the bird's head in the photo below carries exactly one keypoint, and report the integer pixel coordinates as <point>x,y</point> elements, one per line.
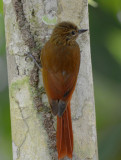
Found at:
<point>65,33</point>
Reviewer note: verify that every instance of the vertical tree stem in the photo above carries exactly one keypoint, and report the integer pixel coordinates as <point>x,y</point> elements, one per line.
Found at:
<point>28,25</point>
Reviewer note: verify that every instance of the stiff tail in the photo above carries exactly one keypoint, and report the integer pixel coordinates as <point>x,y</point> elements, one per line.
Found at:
<point>64,135</point>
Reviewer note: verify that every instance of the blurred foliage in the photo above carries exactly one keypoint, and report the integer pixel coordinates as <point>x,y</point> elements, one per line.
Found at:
<point>1,7</point>
<point>113,43</point>
<point>105,30</point>
<point>110,6</point>
<point>5,130</point>
<point>2,32</point>
<point>105,35</point>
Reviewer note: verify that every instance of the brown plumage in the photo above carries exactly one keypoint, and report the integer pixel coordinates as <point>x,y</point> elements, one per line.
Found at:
<point>60,61</point>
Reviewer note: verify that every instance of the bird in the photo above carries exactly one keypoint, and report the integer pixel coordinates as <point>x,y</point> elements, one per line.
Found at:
<point>60,58</point>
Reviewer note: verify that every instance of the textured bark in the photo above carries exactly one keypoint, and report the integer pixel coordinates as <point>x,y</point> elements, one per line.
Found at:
<point>28,25</point>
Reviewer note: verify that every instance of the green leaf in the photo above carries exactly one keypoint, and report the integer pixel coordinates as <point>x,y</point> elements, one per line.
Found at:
<point>92,3</point>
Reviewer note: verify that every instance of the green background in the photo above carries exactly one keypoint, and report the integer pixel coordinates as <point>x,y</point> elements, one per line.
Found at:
<point>105,35</point>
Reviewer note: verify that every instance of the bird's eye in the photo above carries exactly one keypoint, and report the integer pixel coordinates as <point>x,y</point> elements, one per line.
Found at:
<point>73,32</point>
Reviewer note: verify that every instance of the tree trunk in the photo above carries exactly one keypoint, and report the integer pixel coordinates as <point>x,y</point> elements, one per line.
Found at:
<point>28,25</point>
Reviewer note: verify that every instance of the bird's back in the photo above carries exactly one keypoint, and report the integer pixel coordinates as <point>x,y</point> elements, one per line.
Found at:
<point>64,59</point>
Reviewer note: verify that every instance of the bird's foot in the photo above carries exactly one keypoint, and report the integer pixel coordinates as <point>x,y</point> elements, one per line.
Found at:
<point>28,54</point>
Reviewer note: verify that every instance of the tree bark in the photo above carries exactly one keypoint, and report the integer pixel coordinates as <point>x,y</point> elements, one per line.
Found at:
<point>28,25</point>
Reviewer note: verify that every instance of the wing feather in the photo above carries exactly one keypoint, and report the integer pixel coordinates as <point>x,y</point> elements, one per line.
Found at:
<point>60,70</point>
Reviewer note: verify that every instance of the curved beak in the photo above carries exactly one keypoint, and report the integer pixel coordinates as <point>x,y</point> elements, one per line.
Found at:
<point>82,30</point>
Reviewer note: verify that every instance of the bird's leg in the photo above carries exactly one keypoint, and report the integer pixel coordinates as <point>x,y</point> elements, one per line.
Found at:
<point>28,54</point>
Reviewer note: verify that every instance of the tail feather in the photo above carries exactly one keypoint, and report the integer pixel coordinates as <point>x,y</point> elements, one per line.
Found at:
<point>64,134</point>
